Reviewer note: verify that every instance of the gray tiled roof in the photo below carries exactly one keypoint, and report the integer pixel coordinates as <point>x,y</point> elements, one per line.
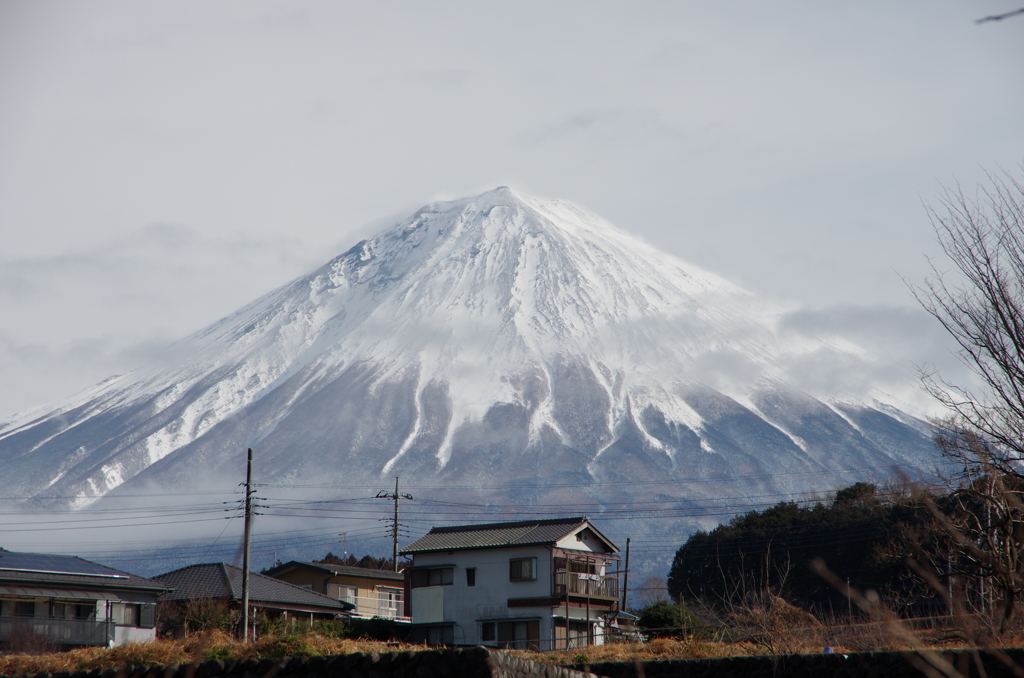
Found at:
<point>521,533</point>
<point>328,568</point>
<point>223,581</point>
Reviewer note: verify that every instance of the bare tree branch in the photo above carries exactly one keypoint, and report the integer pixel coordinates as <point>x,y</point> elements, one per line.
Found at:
<point>1000,17</point>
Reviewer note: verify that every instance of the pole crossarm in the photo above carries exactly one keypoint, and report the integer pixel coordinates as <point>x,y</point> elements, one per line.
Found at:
<point>395,525</point>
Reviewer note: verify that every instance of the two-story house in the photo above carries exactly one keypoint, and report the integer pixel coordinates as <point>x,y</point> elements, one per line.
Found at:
<point>375,593</point>
<point>542,584</point>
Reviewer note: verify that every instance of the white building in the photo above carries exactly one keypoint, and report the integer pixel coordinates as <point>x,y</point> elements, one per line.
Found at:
<point>542,584</point>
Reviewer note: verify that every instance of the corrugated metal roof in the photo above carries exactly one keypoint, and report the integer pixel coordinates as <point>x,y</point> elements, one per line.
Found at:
<point>47,569</point>
<point>520,533</point>
<point>223,581</point>
<point>53,563</point>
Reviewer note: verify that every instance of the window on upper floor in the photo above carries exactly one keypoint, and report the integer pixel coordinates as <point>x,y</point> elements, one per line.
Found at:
<point>470,576</point>
<point>522,569</point>
<point>433,576</point>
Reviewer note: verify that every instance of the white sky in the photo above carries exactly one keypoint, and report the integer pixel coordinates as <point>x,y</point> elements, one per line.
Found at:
<point>163,163</point>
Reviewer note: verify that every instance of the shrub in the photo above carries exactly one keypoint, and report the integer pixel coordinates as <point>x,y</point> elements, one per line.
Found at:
<point>663,619</point>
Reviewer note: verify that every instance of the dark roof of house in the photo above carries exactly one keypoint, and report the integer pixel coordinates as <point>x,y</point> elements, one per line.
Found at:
<point>53,569</point>
<point>344,570</point>
<point>492,535</point>
<point>223,581</point>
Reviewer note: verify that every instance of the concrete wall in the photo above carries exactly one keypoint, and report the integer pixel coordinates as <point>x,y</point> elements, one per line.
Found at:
<point>132,634</point>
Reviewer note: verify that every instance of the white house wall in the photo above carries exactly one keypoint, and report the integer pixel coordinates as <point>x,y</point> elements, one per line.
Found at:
<point>590,542</point>
<point>132,634</point>
<point>488,599</point>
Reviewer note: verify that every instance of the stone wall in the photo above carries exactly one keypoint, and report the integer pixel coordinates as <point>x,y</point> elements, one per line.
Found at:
<point>480,662</point>
<point>475,662</point>
<point>851,665</point>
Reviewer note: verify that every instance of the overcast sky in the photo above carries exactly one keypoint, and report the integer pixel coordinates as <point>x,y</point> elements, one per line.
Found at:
<point>163,163</point>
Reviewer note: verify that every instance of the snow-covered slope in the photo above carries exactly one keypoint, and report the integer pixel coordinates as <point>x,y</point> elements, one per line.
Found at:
<point>493,337</point>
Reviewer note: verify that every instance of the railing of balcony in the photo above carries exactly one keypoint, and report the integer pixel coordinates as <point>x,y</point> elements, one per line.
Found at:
<point>378,604</point>
<point>579,583</point>
<point>60,631</point>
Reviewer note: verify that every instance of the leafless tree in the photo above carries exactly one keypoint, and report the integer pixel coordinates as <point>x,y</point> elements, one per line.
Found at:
<point>981,305</point>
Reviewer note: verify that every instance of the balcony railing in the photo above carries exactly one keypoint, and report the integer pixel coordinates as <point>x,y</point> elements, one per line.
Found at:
<point>378,604</point>
<point>59,631</point>
<point>581,584</point>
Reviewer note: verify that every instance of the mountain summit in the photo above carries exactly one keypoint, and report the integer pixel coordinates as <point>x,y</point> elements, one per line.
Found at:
<point>490,338</point>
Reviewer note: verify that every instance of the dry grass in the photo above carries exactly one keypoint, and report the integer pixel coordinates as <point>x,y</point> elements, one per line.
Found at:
<point>212,645</point>
<point>218,645</point>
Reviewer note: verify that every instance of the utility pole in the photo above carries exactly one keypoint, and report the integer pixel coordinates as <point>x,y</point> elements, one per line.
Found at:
<point>245,557</point>
<point>625,580</point>
<point>397,496</point>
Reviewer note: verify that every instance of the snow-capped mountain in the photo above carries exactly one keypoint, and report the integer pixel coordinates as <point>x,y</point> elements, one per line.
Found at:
<point>491,338</point>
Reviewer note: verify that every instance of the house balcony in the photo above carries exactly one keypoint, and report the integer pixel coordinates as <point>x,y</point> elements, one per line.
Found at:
<point>589,585</point>
<point>385,605</point>
<point>57,631</point>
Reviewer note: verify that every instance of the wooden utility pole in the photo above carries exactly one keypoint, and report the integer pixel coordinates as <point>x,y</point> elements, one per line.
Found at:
<point>625,578</point>
<point>245,556</point>
<point>397,496</point>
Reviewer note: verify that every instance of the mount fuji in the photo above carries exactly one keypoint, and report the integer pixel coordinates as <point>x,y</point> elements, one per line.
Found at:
<point>490,339</point>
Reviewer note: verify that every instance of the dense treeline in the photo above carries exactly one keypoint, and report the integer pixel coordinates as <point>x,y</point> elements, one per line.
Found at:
<point>862,538</point>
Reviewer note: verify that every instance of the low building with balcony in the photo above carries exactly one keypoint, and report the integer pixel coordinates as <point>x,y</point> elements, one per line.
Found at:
<point>375,593</point>
<point>539,584</point>
<point>51,601</point>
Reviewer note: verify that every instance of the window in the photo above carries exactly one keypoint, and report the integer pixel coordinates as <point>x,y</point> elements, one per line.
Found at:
<point>470,576</point>
<point>522,569</point>
<point>389,602</point>
<point>125,614</point>
<point>435,576</point>
<point>440,576</point>
<point>584,567</point>
<point>24,608</point>
<point>147,615</point>
<point>512,634</point>
<point>441,635</point>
